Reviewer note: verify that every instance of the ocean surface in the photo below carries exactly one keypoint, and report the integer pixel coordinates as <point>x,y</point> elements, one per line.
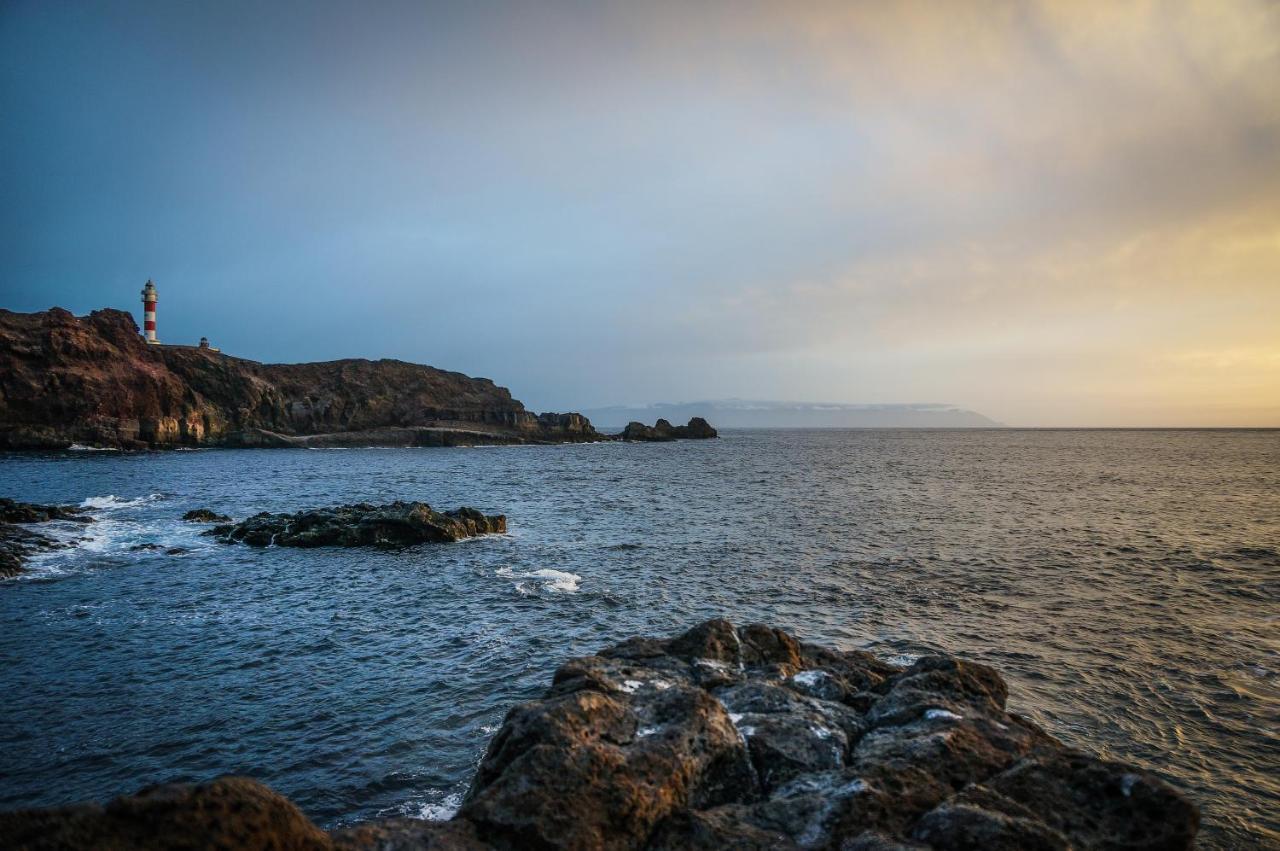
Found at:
<point>1125,582</point>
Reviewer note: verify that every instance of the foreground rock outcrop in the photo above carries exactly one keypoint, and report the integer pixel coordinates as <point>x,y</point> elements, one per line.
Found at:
<point>697,429</point>
<point>18,543</point>
<point>397,524</point>
<point>721,737</point>
<point>230,812</point>
<point>92,380</point>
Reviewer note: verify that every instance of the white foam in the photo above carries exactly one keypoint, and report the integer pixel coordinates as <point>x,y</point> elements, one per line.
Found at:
<point>645,731</point>
<point>904,660</point>
<point>116,532</point>
<point>441,810</point>
<point>942,714</point>
<point>80,447</point>
<point>112,502</point>
<point>546,579</point>
<point>630,686</point>
<point>809,678</point>
<point>711,663</point>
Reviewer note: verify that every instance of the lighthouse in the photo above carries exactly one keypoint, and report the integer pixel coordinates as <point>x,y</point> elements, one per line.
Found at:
<point>149,313</point>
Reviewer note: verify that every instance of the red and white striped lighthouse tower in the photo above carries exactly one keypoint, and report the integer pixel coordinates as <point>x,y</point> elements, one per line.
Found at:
<point>149,312</point>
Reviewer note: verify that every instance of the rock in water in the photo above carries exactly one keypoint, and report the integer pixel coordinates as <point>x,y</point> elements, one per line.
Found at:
<point>697,429</point>
<point>17,543</point>
<point>204,515</point>
<point>12,511</point>
<point>721,737</point>
<point>398,524</point>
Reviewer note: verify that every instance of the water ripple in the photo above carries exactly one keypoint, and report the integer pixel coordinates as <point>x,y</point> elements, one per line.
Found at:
<point>1125,582</point>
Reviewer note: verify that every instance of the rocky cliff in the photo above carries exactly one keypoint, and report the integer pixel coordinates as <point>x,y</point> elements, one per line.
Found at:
<point>722,737</point>
<point>92,380</point>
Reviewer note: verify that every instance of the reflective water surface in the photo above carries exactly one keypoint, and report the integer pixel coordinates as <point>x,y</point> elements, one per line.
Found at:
<point>1126,583</point>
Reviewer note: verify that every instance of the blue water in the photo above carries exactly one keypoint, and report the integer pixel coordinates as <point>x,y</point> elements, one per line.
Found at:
<point>1126,583</point>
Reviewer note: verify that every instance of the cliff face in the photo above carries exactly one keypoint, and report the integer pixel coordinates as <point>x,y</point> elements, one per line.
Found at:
<point>92,380</point>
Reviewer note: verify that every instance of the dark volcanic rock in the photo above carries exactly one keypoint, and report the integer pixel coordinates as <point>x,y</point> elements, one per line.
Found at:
<point>697,429</point>
<point>18,543</point>
<point>720,737</point>
<point>31,512</point>
<point>747,738</point>
<point>204,515</point>
<point>398,524</point>
<point>92,380</point>
<point>230,812</point>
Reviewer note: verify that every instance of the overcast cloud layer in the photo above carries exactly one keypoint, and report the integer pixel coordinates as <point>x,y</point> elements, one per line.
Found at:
<point>1054,213</point>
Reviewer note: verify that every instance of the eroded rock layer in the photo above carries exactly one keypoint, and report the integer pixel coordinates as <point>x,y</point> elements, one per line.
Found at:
<point>721,737</point>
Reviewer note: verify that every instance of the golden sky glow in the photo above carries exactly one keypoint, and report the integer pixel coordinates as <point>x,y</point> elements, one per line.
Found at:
<point>1104,187</point>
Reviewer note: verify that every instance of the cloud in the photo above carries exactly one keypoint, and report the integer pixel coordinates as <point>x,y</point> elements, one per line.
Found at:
<point>1046,210</point>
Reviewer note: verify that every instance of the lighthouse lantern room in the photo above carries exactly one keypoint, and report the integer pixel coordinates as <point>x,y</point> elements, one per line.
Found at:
<point>149,313</point>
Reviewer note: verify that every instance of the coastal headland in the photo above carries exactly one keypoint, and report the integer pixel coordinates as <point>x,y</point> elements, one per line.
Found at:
<point>723,736</point>
<point>94,381</point>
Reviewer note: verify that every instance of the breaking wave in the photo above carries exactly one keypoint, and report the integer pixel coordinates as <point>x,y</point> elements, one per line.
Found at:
<point>546,579</point>
<point>112,502</point>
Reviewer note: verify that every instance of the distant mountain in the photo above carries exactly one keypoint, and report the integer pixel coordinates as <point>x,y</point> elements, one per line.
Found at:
<point>743,413</point>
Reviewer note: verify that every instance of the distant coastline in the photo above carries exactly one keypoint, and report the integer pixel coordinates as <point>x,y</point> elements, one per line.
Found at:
<point>744,413</point>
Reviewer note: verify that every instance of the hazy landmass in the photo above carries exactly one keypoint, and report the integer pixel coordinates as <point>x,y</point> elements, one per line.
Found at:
<point>745,413</point>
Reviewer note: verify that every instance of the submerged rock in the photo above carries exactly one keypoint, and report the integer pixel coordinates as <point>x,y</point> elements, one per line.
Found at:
<point>397,524</point>
<point>204,515</point>
<point>697,429</point>
<point>720,737</point>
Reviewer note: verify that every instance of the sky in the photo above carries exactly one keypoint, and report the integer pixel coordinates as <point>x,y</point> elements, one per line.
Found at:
<point>1054,213</point>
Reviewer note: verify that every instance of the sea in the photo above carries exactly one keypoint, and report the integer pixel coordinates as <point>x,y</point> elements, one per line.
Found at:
<point>1126,583</point>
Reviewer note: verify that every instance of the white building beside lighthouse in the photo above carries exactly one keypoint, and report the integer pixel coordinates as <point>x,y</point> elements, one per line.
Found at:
<point>149,313</point>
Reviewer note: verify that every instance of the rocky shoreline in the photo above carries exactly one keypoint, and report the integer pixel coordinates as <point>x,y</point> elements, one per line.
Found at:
<point>92,381</point>
<point>18,543</point>
<point>719,737</point>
